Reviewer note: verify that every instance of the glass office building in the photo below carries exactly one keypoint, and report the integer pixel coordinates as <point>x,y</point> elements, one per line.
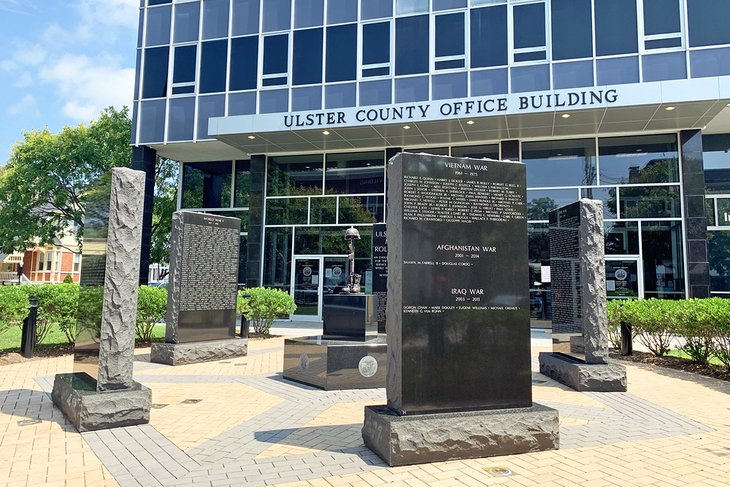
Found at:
<point>284,113</point>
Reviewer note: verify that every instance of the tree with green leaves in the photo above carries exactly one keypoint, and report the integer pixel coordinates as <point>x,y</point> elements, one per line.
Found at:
<point>166,174</point>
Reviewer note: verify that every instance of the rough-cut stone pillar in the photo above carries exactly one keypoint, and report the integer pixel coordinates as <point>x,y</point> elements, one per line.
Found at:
<point>119,312</point>
<point>593,281</point>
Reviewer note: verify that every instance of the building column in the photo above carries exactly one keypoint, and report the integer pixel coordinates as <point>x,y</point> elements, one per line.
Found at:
<point>256,202</point>
<point>144,159</point>
<point>695,220</point>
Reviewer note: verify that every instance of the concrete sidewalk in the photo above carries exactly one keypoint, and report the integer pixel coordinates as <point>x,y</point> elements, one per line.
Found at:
<point>237,422</point>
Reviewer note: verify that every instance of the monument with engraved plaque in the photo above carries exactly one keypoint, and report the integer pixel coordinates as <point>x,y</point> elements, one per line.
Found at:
<point>457,315</point>
<point>202,294</point>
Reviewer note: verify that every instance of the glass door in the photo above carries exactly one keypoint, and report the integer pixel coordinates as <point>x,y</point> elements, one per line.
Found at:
<point>624,279</point>
<point>307,288</point>
<point>335,274</point>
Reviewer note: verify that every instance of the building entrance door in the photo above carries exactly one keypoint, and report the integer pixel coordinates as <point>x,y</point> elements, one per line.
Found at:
<point>624,278</point>
<point>312,277</point>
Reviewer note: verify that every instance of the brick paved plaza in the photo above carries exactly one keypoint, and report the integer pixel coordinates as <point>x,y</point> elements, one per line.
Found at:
<point>237,422</point>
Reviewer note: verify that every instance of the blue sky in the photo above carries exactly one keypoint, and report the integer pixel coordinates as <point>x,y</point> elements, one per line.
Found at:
<point>62,62</point>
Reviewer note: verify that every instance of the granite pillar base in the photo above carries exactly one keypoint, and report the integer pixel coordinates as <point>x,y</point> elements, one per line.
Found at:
<point>425,438</point>
<point>581,376</point>
<point>196,352</point>
<point>336,364</point>
<point>89,410</point>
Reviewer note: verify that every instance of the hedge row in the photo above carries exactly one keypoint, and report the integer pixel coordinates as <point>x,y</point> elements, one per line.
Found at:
<point>702,325</point>
<point>57,305</point>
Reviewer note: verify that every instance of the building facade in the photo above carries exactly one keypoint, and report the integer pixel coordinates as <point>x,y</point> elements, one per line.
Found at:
<point>284,113</point>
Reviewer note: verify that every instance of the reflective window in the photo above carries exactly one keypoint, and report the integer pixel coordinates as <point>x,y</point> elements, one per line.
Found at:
<point>242,258</point>
<point>638,160</point>
<point>307,57</point>
<point>434,151</point>
<point>572,75</point>
<point>716,160</point>
<point>403,7</point>
<point>707,20</point>
<point>277,255</point>
<point>187,18</point>
<point>181,119</point>
<point>411,89</point>
<point>660,67</point>
<point>450,42</point>
<point>616,31</point>
<point>718,243</point>
<point>277,15</point>
<point>154,84</point>
<point>245,17</point>
<point>608,196</point>
<point>276,60</point>
<point>244,63</point>
<point>215,19</point>
<point>650,202</point>
<point>274,101</point>
<point>710,213</point>
<point>361,209</point>
<point>323,211</point>
<point>213,59</point>
<point>306,98</point>
<point>530,78</point>
<point>375,93</point>
<point>662,250</point>
<point>621,238</point>
<point>355,173</point>
<point>308,13</point>
<point>411,45</point>
<point>340,95</point>
<point>294,175</point>
<point>572,35</point>
<point>446,86</point>
<point>376,9</point>
<point>710,62</point>
<point>208,107</point>
<point>329,240</point>
<point>560,162</point>
<point>287,211</point>
<point>242,104</point>
<point>206,185</point>
<point>158,26</point>
<point>540,202</point>
<point>242,185</point>
<point>488,36</point>
<point>152,121</point>
<point>341,53</point>
<point>490,151</point>
<point>617,71</point>
<point>490,82</point>
<point>448,4</point>
<point>376,49</point>
<point>183,74</point>
<point>341,11</point>
<point>662,24</point>
<point>723,212</point>
<point>529,32</point>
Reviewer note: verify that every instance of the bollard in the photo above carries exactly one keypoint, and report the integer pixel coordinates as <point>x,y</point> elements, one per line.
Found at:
<point>244,321</point>
<point>27,341</point>
<point>627,347</point>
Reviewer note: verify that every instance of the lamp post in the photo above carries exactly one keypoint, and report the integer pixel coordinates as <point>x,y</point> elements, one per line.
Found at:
<point>353,281</point>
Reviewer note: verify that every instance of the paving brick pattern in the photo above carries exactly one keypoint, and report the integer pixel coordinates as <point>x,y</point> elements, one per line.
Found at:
<point>248,426</point>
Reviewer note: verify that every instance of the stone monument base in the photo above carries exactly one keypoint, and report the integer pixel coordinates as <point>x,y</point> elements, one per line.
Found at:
<point>196,352</point>
<point>581,376</point>
<point>334,364</point>
<point>88,410</point>
<point>425,438</point>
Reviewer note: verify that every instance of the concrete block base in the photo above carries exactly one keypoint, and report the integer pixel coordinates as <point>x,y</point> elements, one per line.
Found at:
<point>424,438</point>
<point>88,410</point>
<point>581,376</point>
<point>196,352</point>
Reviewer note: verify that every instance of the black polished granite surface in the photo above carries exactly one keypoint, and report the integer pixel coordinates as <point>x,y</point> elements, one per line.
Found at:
<point>349,315</point>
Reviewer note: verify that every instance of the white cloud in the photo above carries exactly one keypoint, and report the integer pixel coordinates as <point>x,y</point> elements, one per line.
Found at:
<point>24,80</point>
<point>23,54</point>
<point>88,85</point>
<point>121,13</point>
<point>26,104</point>
<point>17,6</point>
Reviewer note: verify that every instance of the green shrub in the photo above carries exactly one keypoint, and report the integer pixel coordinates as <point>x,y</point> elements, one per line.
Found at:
<point>13,307</point>
<point>613,309</point>
<point>68,279</point>
<point>261,306</point>
<point>57,305</point>
<point>650,323</point>
<point>151,309</point>
<point>693,321</point>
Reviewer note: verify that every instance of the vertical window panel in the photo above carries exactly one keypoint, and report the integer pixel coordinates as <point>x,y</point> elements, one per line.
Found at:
<point>277,15</point>
<point>411,45</point>
<point>488,36</point>
<point>450,35</point>
<point>181,119</point>
<point>572,35</point>
<point>158,26</point>
<point>708,22</point>
<point>341,53</point>
<point>245,17</point>
<point>209,107</point>
<point>616,31</point>
<point>244,63</point>
<point>215,19</point>
<point>213,59</point>
<point>308,13</point>
<point>376,9</point>
<point>184,67</point>
<point>156,60</point>
<point>307,57</point>
<point>187,22</point>
<point>340,11</point>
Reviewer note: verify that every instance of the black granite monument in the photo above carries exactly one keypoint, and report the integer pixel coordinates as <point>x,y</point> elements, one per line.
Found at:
<point>202,294</point>
<point>380,272</point>
<point>457,315</point>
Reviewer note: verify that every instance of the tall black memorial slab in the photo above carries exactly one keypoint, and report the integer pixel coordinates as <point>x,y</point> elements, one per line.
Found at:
<point>458,315</point>
<point>101,392</point>
<point>580,325</point>
<point>202,291</point>
<point>380,272</point>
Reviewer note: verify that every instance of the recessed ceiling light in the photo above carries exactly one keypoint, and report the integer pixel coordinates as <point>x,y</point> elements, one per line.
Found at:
<point>406,127</point>
<point>669,109</point>
<point>251,137</point>
<point>470,122</point>
<point>326,132</point>
<point>565,115</point>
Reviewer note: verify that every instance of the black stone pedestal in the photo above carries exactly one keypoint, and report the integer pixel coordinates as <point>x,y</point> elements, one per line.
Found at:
<point>350,315</point>
<point>425,438</point>
<point>196,352</point>
<point>336,364</point>
<point>89,410</point>
<point>581,376</point>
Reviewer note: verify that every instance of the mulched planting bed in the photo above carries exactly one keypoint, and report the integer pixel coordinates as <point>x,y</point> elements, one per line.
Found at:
<point>677,363</point>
